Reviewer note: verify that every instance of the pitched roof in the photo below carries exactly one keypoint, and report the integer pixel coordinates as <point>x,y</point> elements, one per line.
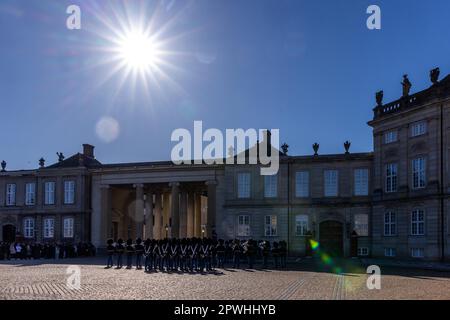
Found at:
<point>77,160</point>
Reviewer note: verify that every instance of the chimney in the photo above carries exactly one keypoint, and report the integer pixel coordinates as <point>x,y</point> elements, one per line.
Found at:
<point>88,150</point>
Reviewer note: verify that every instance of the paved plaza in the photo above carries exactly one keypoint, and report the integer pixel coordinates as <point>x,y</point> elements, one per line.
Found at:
<point>307,279</point>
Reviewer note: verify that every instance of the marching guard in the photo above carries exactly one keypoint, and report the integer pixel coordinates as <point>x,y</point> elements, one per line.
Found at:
<point>194,254</point>
<point>110,252</point>
<point>237,250</point>
<point>130,252</point>
<point>119,251</point>
<point>139,249</point>
<point>148,255</point>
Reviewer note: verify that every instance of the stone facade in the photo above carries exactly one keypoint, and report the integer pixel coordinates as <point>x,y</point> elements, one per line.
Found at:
<point>391,202</point>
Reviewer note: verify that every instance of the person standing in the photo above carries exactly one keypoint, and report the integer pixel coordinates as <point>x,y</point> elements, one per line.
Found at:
<point>220,252</point>
<point>265,253</point>
<point>110,252</point>
<point>276,254</point>
<point>129,250</point>
<point>237,250</point>
<point>147,255</point>
<point>139,248</point>
<point>119,251</point>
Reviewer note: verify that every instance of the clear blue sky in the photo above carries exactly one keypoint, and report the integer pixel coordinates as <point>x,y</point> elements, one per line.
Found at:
<point>309,68</point>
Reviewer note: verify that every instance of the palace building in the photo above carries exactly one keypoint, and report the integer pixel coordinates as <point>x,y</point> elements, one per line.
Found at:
<point>393,202</point>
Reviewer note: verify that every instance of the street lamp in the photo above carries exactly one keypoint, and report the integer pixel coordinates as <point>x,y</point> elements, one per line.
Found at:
<point>203,230</point>
<point>167,231</point>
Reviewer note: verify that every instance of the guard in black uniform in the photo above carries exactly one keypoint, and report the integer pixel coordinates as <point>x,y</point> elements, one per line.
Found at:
<point>194,249</point>
<point>220,253</point>
<point>164,255</point>
<point>265,253</point>
<point>276,254</point>
<point>183,255</point>
<point>173,255</point>
<point>129,249</point>
<point>139,249</point>
<point>119,251</point>
<point>110,252</point>
<point>148,255</point>
<point>237,250</point>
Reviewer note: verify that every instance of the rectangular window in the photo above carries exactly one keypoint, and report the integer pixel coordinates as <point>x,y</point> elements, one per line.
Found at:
<point>244,185</point>
<point>69,192</point>
<point>418,223</point>
<point>390,136</point>
<point>49,228</point>
<point>49,193</point>
<point>301,225</point>
<point>418,173</point>
<point>28,228</point>
<point>302,184</point>
<point>362,225</point>
<point>331,183</point>
<point>417,252</point>
<point>363,251</point>
<point>243,226</point>
<point>270,223</point>
<point>390,224</point>
<point>11,194</point>
<point>390,252</point>
<point>270,186</point>
<point>361,182</point>
<point>68,227</point>
<point>391,177</point>
<point>30,194</point>
<point>418,128</point>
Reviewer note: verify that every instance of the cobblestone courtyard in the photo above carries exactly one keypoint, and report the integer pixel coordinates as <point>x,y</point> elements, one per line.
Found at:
<point>304,280</point>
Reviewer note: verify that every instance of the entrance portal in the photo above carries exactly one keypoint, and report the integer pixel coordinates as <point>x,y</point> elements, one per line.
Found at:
<point>331,237</point>
<point>9,233</point>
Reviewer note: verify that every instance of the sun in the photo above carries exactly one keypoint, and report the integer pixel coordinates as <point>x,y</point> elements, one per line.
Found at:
<point>138,51</point>
<point>136,44</point>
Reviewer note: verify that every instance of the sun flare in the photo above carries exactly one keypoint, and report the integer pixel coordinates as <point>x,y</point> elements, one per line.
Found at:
<point>138,51</point>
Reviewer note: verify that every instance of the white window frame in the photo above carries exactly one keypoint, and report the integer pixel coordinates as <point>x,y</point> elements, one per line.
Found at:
<point>69,192</point>
<point>361,181</point>
<point>391,177</point>
<point>417,252</point>
<point>30,194</point>
<point>361,226</point>
<point>11,194</point>
<point>390,252</point>
<point>49,192</point>
<point>28,227</point>
<point>302,184</point>
<point>390,223</point>
<point>68,227</point>
<point>390,136</point>
<point>244,182</point>
<point>243,226</point>
<point>418,128</point>
<point>419,172</point>
<point>49,228</point>
<point>301,225</point>
<point>270,225</point>
<point>271,186</point>
<point>331,183</point>
<point>363,251</point>
<point>418,222</point>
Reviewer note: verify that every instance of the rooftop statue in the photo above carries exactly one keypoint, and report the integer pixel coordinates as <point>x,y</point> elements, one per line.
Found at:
<point>434,75</point>
<point>379,98</point>
<point>406,85</point>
